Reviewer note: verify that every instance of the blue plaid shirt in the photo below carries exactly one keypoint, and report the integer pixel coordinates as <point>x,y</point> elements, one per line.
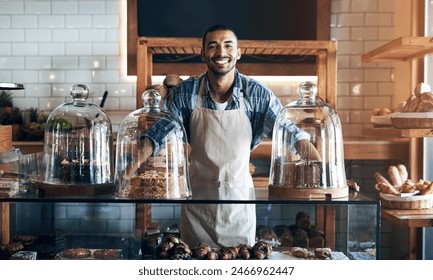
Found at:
<point>261,106</point>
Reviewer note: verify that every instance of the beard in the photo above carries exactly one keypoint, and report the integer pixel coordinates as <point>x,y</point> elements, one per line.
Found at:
<point>219,72</point>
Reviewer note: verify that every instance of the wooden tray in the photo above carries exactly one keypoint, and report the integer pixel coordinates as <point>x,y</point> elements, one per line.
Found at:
<point>411,202</point>
<point>413,120</point>
<point>80,190</point>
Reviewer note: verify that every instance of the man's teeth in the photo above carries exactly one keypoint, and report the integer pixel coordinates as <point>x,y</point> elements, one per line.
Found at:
<point>221,61</point>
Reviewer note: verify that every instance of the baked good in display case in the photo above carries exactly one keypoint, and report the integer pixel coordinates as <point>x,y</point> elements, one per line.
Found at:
<point>152,153</point>
<point>299,172</point>
<point>78,144</point>
<point>89,254</point>
<point>7,250</point>
<point>107,254</point>
<point>76,253</point>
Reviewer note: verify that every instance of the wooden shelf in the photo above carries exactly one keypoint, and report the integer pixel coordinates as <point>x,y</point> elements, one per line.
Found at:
<point>324,52</point>
<point>401,49</point>
<point>398,133</point>
<point>354,149</point>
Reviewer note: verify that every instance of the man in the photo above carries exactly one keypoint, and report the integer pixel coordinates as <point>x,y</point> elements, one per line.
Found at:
<point>225,115</point>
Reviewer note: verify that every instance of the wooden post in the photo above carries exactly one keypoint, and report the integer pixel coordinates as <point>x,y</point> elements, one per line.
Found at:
<point>5,145</point>
<point>5,138</point>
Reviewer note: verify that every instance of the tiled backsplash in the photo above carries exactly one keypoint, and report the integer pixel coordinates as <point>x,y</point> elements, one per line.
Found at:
<point>51,45</point>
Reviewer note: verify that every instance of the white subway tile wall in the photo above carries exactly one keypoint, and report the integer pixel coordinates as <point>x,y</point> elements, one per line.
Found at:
<point>51,45</point>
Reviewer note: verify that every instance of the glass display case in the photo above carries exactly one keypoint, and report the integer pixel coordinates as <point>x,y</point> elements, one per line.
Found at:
<point>350,227</point>
<point>162,173</point>
<point>297,170</point>
<point>78,143</point>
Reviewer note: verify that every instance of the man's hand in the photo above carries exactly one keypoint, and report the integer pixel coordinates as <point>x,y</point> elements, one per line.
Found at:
<point>145,150</point>
<point>307,151</point>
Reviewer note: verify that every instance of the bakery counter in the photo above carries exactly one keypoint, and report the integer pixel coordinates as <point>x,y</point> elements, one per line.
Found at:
<point>345,224</point>
<point>354,148</point>
<point>257,196</point>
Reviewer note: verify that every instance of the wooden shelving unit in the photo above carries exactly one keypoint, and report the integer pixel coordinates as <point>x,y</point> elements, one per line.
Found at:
<point>325,67</point>
<point>406,49</point>
<point>401,49</point>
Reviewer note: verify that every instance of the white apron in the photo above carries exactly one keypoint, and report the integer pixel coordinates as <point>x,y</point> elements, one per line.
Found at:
<point>219,169</point>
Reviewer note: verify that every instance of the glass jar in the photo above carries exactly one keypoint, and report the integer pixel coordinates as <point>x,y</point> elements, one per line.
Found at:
<point>78,143</point>
<point>298,175</point>
<point>163,174</point>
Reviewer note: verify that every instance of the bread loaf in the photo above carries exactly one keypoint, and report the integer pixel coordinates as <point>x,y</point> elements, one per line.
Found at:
<point>380,178</point>
<point>394,175</point>
<point>404,175</point>
<point>425,106</point>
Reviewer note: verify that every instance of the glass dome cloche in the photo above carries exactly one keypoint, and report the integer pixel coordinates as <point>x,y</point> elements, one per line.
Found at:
<point>296,174</point>
<point>152,153</point>
<point>78,145</point>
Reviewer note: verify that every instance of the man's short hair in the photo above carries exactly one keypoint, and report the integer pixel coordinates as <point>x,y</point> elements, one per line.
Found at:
<point>216,28</point>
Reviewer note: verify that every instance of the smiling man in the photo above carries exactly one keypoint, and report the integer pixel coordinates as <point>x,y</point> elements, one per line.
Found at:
<point>226,115</point>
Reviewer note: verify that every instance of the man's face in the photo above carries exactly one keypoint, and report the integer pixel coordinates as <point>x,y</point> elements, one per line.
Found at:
<point>221,52</point>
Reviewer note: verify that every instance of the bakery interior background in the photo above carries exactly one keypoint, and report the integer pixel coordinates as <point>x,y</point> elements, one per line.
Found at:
<point>50,45</point>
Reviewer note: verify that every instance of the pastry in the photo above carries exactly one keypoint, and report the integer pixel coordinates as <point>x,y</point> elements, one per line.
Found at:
<point>156,184</point>
<point>408,187</point>
<point>323,253</point>
<point>77,253</point>
<point>300,238</point>
<point>26,240</point>
<point>245,251</point>
<point>212,254</point>
<point>303,220</point>
<point>428,189</point>
<point>386,188</point>
<point>107,254</point>
<point>7,250</point>
<point>300,252</point>
<point>200,251</point>
<point>262,250</point>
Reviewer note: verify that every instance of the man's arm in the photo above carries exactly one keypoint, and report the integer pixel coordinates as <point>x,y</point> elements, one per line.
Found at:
<point>307,150</point>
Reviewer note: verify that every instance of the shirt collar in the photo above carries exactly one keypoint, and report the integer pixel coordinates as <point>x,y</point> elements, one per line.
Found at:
<point>236,88</point>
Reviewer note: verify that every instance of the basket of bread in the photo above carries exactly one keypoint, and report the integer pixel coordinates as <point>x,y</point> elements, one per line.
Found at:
<point>417,111</point>
<point>400,192</point>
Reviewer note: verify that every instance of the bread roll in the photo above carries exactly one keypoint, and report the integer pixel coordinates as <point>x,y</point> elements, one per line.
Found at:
<point>408,187</point>
<point>394,175</point>
<point>386,188</point>
<point>427,96</point>
<point>421,88</point>
<point>428,189</point>
<point>425,106</point>
<point>412,105</point>
<point>299,252</point>
<point>380,178</point>
<point>403,172</point>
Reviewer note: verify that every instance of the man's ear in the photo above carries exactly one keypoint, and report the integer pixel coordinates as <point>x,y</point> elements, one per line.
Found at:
<point>239,54</point>
<point>202,57</point>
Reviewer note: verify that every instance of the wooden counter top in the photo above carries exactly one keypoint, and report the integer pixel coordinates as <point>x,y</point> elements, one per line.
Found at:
<point>409,218</point>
